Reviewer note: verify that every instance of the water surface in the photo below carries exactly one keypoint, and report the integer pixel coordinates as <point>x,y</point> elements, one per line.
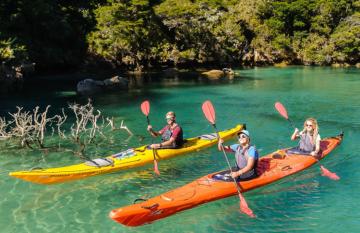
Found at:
<point>305,202</point>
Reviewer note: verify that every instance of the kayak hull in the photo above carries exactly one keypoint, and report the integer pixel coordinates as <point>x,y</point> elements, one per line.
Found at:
<point>271,168</point>
<point>121,161</point>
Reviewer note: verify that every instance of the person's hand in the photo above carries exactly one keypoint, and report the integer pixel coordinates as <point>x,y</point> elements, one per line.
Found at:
<point>221,141</point>
<point>296,131</point>
<point>234,174</point>
<point>149,128</point>
<point>155,146</point>
<point>313,153</point>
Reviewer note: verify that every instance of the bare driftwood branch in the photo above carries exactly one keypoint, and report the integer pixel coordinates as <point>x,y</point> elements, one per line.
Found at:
<point>3,129</point>
<point>60,120</point>
<point>125,127</point>
<point>30,127</point>
<point>23,126</point>
<point>113,127</point>
<point>85,128</point>
<point>40,122</point>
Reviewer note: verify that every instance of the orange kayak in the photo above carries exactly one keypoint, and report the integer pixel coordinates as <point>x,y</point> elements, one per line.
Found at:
<point>271,168</point>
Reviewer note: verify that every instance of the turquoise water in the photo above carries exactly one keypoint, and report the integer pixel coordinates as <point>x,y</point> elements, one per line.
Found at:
<point>305,202</point>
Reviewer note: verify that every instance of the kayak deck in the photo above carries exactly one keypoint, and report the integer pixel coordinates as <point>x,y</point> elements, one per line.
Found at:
<point>123,160</point>
<point>271,168</point>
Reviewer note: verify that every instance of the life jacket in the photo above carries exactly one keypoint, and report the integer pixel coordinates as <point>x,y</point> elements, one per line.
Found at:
<point>242,157</point>
<point>179,141</point>
<point>306,143</point>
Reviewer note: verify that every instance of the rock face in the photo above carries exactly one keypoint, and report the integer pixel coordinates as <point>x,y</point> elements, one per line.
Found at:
<point>90,86</point>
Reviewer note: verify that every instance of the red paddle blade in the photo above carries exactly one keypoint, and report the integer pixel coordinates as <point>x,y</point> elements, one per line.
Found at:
<point>327,173</point>
<point>282,110</point>
<point>245,208</point>
<point>145,107</point>
<point>209,111</point>
<point>156,169</point>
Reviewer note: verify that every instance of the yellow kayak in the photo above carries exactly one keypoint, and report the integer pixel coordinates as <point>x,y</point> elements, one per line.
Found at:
<point>120,161</point>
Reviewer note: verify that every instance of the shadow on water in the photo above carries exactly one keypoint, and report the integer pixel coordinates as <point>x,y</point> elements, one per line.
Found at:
<point>56,91</point>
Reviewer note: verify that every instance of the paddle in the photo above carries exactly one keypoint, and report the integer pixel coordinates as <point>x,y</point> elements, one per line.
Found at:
<point>145,108</point>
<point>209,113</point>
<point>324,172</point>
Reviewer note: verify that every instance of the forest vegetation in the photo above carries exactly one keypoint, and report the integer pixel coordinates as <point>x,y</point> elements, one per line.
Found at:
<point>148,34</point>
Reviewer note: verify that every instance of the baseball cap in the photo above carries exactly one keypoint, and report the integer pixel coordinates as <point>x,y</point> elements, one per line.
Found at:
<point>244,132</point>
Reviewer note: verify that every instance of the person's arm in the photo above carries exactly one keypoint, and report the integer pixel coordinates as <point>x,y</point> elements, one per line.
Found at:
<point>317,146</point>
<point>221,145</point>
<point>153,132</point>
<point>167,143</point>
<point>295,135</point>
<point>249,166</point>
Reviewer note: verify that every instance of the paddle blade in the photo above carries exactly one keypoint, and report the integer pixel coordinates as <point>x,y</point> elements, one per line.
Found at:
<point>145,107</point>
<point>244,207</point>
<point>327,173</point>
<point>156,169</point>
<point>209,111</point>
<point>282,110</point>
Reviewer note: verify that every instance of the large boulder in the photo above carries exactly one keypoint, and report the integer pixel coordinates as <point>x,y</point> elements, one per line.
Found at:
<point>116,82</point>
<point>216,74</point>
<point>90,86</point>
<point>213,74</point>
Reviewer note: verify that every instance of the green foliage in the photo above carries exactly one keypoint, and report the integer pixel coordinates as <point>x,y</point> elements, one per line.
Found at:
<point>52,32</point>
<point>316,50</point>
<point>137,34</point>
<point>127,33</point>
<point>346,40</point>
<point>11,51</point>
<point>306,28</point>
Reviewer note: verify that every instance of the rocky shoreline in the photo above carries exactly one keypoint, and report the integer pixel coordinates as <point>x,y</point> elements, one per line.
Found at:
<point>12,78</point>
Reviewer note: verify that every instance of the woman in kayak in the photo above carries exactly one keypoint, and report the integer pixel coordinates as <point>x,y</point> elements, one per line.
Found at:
<point>309,139</point>
<point>171,134</point>
<point>246,156</point>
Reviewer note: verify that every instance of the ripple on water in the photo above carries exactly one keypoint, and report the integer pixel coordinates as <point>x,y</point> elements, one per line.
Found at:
<point>305,202</point>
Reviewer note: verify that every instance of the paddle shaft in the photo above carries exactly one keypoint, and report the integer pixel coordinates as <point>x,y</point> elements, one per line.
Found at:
<point>152,139</point>
<point>227,160</point>
<point>291,122</point>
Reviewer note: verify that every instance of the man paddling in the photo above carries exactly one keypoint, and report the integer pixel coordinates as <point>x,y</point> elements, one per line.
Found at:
<point>246,156</point>
<point>171,134</point>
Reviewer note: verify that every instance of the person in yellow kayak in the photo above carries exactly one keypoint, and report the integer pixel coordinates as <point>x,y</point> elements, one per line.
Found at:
<point>171,134</point>
<point>309,139</point>
<point>246,156</point>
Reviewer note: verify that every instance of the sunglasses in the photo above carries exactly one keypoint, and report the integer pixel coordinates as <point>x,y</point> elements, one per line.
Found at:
<point>169,118</point>
<point>242,136</point>
<point>309,125</point>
